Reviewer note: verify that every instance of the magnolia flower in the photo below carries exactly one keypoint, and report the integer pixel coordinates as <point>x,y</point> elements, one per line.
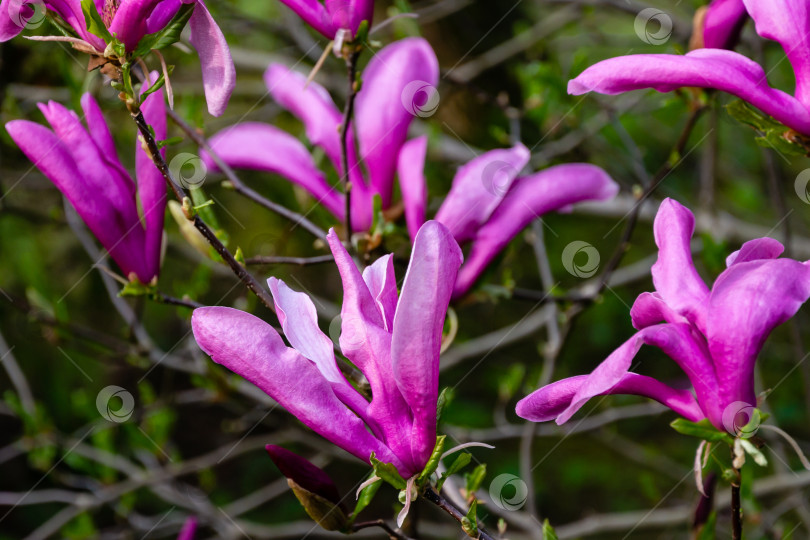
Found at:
<point>332,16</point>
<point>488,204</point>
<point>394,342</point>
<point>129,22</point>
<point>84,166</point>
<point>393,83</point>
<point>713,335</point>
<point>722,22</point>
<point>785,21</point>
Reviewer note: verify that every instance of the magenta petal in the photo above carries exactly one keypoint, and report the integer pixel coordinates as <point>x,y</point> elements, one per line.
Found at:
<point>747,302</point>
<point>251,348</point>
<point>256,146</point>
<point>348,14</point>
<point>151,184</point>
<point>382,284</point>
<point>384,110</point>
<point>754,250</point>
<point>189,529</point>
<point>704,68</point>
<point>311,103</point>
<point>304,473</point>
<point>674,274</point>
<point>549,402</point>
<point>218,71</point>
<point>478,188</point>
<point>788,22</point>
<point>14,15</point>
<point>674,340</point>
<point>412,183</point>
<point>650,309</point>
<point>129,22</point>
<point>314,14</point>
<point>531,197</point>
<point>723,23</point>
<point>418,324</point>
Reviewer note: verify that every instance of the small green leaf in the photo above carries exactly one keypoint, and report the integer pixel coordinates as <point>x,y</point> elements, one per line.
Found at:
<point>136,288</point>
<point>366,496</point>
<point>433,461</point>
<point>772,133</point>
<point>169,142</point>
<point>93,21</point>
<point>702,430</point>
<point>324,512</point>
<point>387,472</point>
<point>548,531</point>
<point>459,463</point>
<point>469,523</point>
<point>168,36</point>
<point>445,398</point>
<point>476,478</point>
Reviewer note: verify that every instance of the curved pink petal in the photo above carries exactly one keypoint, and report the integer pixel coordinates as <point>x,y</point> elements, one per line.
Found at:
<point>310,103</point>
<point>549,402</point>
<point>723,23</point>
<point>531,197</point>
<point>418,325</point>
<point>314,14</point>
<point>674,274</point>
<point>14,15</point>
<point>747,302</point>
<point>256,146</point>
<point>788,22</point>
<point>412,183</point>
<point>478,188</point>
<point>704,68</point>
<point>129,22</point>
<point>151,184</point>
<point>218,71</point>
<point>382,284</point>
<point>754,250</point>
<point>189,529</point>
<point>650,309</point>
<point>348,14</point>
<point>251,348</point>
<point>676,342</point>
<point>399,73</point>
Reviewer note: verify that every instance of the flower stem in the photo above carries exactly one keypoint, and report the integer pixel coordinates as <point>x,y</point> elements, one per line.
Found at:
<point>436,498</point>
<point>393,534</point>
<point>736,507</point>
<point>345,135</point>
<point>240,271</point>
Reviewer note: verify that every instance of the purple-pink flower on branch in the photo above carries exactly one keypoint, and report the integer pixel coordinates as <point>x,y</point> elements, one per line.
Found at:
<point>714,335</point>
<point>84,166</point>
<point>784,21</point>
<point>394,341</point>
<point>331,16</point>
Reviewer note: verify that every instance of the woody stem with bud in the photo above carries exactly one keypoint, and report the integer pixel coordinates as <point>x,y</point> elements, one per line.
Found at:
<point>345,135</point>
<point>433,496</point>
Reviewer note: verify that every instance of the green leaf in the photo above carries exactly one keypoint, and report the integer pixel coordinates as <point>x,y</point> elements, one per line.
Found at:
<point>445,398</point>
<point>166,37</point>
<point>459,463</point>
<point>773,134</point>
<point>708,530</point>
<point>476,478</point>
<point>387,472</point>
<point>324,512</point>
<point>136,288</point>
<point>548,531</point>
<point>169,142</point>
<point>469,523</point>
<point>366,496</point>
<point>702,430</point>
<point>433,461</point>
<point>92,19</point>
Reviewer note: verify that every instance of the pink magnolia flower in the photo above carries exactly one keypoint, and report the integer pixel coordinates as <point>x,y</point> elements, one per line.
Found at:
<point>394,342</point>
<point>713,335</point>
<point>331,16</point>
<point>722,23</point>
<point>129,21</point>
<point>785,21</point>
<point>489,203</point>
<point>84,166</point>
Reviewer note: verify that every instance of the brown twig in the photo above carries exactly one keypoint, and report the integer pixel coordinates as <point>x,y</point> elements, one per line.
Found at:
<point>436,498</point>
<point>299,261</point>
<point>736,507</point>
<point>237,183</point>
<point>345,135</point>
<point>240,271</point>
<point>392,533</point>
